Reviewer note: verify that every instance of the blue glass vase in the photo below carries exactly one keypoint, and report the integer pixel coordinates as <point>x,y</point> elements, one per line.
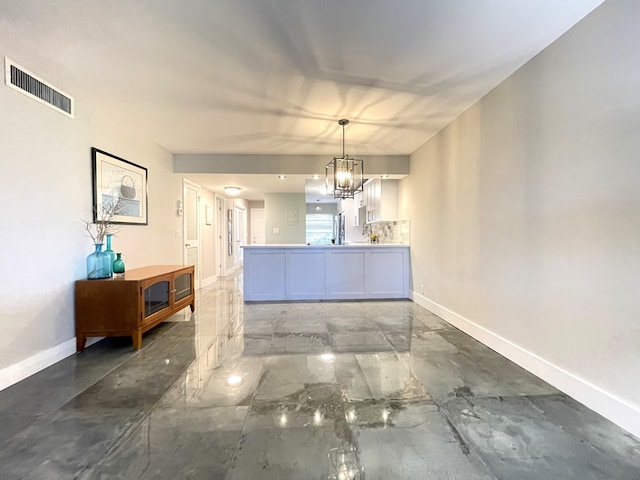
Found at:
<point>118,266</point>
<point>98,264</point>
<point>111,253</point>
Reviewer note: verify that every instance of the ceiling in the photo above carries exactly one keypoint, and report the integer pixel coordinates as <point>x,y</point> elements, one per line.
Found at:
<point>254,186</point>
<point>274,76</point>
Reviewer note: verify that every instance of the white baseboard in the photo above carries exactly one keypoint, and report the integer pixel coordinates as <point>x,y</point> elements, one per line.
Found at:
<point>619,411</point>
<point>229,271</point>
<point>41,360</point>
<point>208,281</point>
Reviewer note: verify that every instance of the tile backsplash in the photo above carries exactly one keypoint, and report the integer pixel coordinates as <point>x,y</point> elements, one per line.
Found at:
<point>396,231</point>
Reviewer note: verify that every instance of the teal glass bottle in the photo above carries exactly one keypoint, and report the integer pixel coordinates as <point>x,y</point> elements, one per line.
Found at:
<point>98,264</point>
<point>118,266</point>
<point>111,253</point>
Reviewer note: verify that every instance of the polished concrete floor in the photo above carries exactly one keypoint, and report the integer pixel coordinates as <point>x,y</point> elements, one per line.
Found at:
<point>382,390</point>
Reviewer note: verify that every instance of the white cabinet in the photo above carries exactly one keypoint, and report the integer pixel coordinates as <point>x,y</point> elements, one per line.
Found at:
<point>381,197</point>
<point>325,272</point>
<point>369,196</point>
<point>358,199</point>
<point>359,210</point>
<point>360,216</point>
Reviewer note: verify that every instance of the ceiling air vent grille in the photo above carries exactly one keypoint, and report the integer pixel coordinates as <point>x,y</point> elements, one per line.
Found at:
<point>25,82</point>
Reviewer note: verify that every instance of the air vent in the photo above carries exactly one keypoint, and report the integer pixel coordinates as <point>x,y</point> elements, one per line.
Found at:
<point>25,82</point>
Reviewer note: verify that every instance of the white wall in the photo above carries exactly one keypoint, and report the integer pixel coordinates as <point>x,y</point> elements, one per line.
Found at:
<point>525,215</point>
<point>45,182</point>
<point>326,208</point>
<point>276,206</point>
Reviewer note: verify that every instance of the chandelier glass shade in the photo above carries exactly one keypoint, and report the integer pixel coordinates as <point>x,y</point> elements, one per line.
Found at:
<point>344,176</point>
<point>232,190</point>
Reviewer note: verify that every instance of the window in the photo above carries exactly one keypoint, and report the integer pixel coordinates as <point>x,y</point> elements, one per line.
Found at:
<point>319,228</point>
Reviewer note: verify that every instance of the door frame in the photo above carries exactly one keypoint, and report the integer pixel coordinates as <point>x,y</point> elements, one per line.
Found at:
<point>198,276</point>
<point>240,233</point>
<point>221,232</point>
<point>252,225</point>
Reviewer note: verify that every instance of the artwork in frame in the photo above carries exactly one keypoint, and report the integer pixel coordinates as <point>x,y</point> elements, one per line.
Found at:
<point>118,180</point>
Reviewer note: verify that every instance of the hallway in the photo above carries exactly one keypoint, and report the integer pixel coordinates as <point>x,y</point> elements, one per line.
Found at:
<point>280,391</point>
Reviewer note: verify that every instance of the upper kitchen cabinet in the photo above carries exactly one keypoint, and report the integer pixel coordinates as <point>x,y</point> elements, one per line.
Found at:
<point>358,199</point>
<point>381,199</point>
<point>359,210</point>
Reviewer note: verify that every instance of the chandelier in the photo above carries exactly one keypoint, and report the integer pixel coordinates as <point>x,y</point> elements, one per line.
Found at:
<point>344,176</point>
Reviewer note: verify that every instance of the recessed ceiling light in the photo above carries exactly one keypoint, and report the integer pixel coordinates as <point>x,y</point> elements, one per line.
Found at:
<point>282,177</point>
<point>384,176</point>
<point>232,190</point>
<point>234,380</point>
<point>316,177</point>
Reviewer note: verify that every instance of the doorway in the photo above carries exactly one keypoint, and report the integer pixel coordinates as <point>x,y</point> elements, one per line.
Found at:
<point>239,234</point>
<point>221,235</point>
<point>257,226</point>
<point>191,228</point>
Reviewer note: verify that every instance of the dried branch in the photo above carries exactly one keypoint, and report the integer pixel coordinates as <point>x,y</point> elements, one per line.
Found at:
<point>98,231</point>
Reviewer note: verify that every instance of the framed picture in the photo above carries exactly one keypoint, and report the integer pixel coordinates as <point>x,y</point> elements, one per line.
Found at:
<point>229,232</point>
<point>121,185</point>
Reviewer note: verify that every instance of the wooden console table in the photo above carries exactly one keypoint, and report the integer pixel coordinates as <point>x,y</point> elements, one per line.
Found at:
<point>131,305</point>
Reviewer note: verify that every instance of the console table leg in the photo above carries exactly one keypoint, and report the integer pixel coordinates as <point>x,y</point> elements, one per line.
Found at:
<point>137,340</point>
<point>81,340</point>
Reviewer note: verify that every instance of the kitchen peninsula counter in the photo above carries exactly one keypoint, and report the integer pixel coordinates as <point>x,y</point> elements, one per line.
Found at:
<point>355,271</point>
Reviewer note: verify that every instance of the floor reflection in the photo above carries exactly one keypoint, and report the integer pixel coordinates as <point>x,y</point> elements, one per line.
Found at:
<point>330,390</point>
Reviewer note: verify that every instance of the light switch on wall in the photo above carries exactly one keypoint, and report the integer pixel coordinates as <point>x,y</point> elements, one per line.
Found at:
<point>177,233</point>
<point>276,231</point>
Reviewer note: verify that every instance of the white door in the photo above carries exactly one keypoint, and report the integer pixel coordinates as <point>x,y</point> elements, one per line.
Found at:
<point>191,228</point>
<point>221,235</point>
<point>239,235</point>
<point>257,226</point>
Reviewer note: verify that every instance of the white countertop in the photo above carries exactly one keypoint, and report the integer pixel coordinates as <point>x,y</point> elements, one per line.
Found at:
<point>349,245</point>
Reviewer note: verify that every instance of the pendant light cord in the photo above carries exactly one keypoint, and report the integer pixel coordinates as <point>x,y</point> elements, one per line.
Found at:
<point>343,122</point>
<point>343,140</point>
